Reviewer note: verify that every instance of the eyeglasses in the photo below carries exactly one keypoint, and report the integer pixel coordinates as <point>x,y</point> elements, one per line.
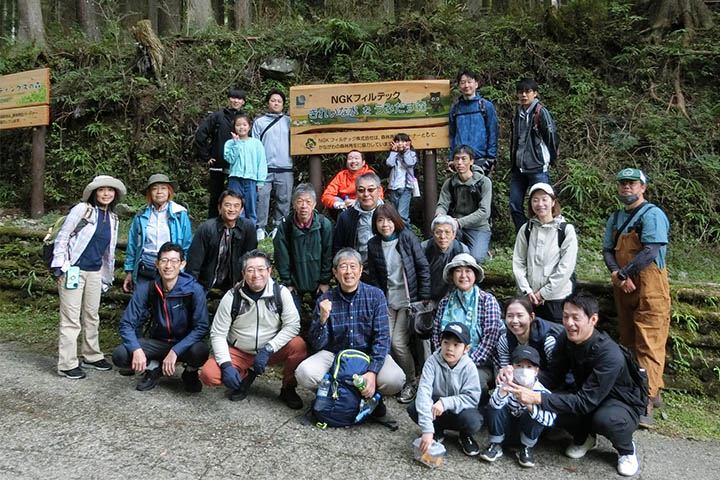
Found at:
<point>368,190</point>
<point>344,267</point>
<point>253,270</point>
<point>172,261</point>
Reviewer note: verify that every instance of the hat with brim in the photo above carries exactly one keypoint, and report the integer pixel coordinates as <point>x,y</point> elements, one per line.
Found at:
<point>525,352</point>
<point>631,174</point>
<point>463,260</point>
<point>543,187</point>
<point>105,181</point>
<point>458,330</point>
<point>160,178</point>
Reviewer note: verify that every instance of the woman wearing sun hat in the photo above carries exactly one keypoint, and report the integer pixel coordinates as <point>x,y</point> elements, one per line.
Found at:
<point>83,263</point>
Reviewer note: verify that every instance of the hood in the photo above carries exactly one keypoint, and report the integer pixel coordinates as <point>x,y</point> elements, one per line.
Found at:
<point>185,286</point>
<point>554,223</point>
<point>460,364</point>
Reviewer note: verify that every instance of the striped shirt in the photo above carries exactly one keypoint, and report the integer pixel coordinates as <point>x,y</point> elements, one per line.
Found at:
<point>360,322</point>
<point>543,417</point>
<point>502,354</point>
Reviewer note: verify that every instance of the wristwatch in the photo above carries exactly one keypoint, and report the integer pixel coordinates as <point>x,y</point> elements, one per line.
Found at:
<point>268,348</point>
<point>621,275</point>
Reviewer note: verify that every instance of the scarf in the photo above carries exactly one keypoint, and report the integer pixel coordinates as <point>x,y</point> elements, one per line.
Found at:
<point>462,307</point>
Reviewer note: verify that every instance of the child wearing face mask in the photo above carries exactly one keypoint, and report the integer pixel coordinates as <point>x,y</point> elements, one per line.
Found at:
<point>504,409</point>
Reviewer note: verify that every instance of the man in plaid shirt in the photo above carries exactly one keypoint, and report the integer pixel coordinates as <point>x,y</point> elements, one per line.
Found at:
<point>352,315</point>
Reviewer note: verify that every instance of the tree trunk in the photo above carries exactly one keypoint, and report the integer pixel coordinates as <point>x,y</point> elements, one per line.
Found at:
<point>388,10</point>
<point>242,11</point>
<point>219,9</point>
<point>474,7</point>
<point>153,14</point>
<point>88,19</point>
<point>31,28</point>
<point>170,17</point>
<point>199,15</point>
<point>666,15</point>
<point>37,173</point>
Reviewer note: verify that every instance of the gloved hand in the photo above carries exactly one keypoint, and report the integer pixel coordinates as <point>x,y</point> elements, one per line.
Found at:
<point>230,376</point>
<point>261,359</point>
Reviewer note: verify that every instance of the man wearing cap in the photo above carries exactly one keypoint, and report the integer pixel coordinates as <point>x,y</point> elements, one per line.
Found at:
<point>210,140</point>
<point>478,310</point>
<point>634,249</point>
<point>161,221</point>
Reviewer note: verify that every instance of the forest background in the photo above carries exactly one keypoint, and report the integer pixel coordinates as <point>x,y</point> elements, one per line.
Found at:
<point>630,83</point>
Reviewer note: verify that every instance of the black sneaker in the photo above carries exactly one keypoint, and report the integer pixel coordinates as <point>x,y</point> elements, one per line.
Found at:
<point>126,372</point>
<point>291,398</point>
<point>469,445</point>
<point>439,436</point>
<point>191,381</point>
<point>102,365</point>
<point>75,373</point>
<point>242,392</point>
<point>525,457</point>
<point>492,452</point>
<point>380,411</point>
<point>150,380</point>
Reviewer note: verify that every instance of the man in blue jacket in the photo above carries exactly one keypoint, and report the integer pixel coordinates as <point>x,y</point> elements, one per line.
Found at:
<point>178,322</point>
<point>473,122</point>
<point>161,221</point>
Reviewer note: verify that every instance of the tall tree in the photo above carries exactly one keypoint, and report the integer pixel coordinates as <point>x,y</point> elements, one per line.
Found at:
<point>31,28</point>
<point>199,15</point>
<point>388,9</point>
<point>170,17</point>
<point>87,16</point>
<point>242,11</point>
<point>219,9</point>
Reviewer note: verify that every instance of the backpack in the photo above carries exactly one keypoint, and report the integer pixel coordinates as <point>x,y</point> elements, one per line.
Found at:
<point>560,240</point>
<point>344,399</point>
<point>237,299</point>
<point>49,240</point>
<point>638,376</point>
<point>536,132</point>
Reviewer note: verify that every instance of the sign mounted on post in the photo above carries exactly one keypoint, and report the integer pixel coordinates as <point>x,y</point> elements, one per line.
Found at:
<point>25,99</point>
<point>365,116</point>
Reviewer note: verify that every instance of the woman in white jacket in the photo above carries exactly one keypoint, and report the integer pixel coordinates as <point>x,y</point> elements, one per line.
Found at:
<point>545,254</point>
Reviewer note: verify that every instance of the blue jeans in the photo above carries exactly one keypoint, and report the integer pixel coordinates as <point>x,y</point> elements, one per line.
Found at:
<point>499,420</point>
<point>401,201</point>
<point>519,184</point>
<point>248,188</point>
<point>477,241</point>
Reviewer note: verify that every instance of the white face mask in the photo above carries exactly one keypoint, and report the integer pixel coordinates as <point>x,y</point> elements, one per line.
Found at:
<point>524,376</point>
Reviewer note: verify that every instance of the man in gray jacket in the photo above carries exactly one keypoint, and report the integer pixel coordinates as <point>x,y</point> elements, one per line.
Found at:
<point>273,130</point>
<point>449,392</point>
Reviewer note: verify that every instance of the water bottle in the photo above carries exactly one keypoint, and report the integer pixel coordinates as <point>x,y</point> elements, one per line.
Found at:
<point>367,407</point>
<point>321,400</point>
<point>359,382</point>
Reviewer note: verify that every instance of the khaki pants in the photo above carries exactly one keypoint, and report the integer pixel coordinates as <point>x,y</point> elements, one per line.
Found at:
<point>79,307</point>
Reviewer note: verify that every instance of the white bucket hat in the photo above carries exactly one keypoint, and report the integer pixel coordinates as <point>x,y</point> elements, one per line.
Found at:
<point>463,260</point>
<point>105,181</point>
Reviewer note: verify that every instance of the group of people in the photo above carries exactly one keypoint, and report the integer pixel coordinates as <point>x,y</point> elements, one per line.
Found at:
<point>547,362</point>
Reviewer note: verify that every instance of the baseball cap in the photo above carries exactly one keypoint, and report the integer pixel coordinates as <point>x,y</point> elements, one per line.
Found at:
<point>526,352</point>
<point>459,330</point>
<point>631,174</point>
<point>544,187</point>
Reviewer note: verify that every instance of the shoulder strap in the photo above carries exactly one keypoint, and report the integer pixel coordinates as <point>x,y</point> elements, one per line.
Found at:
<point>262,134</point>
<point>528,227</point>
<point>277,288</point>
<point>561,234</point>
<point>627,222</point>
<point>235,309</point>
<point>536,115</point>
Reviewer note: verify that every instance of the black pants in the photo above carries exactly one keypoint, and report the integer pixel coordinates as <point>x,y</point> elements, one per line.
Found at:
<point>195,356</point>
<point>612,419</point>
<point>216,185</point>
<point>467,422</point>
<point>551,310</point>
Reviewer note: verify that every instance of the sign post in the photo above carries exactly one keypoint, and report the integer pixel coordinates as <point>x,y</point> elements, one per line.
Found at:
<point>25,102</point>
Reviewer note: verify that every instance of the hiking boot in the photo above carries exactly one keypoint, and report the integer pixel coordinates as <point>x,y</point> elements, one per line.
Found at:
<point>525,457</point>
<point>191,381</point>
<point>380,411</point>
<point>579,451</point>
<point>75,373</point>
<point>260,234</point>
<point>628,465</point>
<point>102,365</point>
<point>290,397</point>
<point>492,452</point>
<point>242,392</point>
<point>469,445</point>
<point>407,394</point>
<point>150,380</point>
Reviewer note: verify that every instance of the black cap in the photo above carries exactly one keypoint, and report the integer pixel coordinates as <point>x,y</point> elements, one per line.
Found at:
<point>459,330</point>
<point>526,352</point>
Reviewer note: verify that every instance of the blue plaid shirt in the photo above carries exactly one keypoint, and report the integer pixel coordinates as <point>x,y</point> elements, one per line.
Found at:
<point>360,323</point>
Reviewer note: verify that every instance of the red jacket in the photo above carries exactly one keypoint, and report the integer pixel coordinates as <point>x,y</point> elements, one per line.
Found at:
<point>343,185</point>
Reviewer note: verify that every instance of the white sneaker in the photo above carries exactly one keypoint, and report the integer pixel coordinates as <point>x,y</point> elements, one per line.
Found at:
<point>628,464</point>
<point>273,232</point>
<point>579,451</point>
<point>260,234</point>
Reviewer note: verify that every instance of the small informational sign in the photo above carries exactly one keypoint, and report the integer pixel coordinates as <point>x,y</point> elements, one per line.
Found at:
<point>337,118</point>
<point>24,117</point>
<point>25,89</point>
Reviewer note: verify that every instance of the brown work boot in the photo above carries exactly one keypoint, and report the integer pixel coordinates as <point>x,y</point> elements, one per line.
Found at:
<point>647,420</point>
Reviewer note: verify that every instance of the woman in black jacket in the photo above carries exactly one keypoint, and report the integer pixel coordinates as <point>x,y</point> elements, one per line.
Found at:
<point>397,265</point>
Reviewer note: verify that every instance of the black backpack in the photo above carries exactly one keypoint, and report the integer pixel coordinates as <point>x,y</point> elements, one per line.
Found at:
<point>237,298</point>
<point>560,240</point>
<point>638,375</point>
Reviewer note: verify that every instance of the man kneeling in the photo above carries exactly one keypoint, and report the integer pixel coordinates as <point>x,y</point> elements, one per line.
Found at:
<point>178,319</point>
<point>256,324</point>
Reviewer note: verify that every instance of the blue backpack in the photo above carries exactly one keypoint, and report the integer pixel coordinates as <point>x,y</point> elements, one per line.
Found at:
<point>343,398</point>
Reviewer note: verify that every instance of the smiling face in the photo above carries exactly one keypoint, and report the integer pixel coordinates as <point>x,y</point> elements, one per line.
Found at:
<point>160,194</point>
<point>348,273</point>
<point>242,127</point>
<point>542,205</point>
<point>368,193</point>
<point>169,265</point>
<point>354,161</point>
<point>452,349</point>
<point>256,273</point>
<point>275,103</point>
<point>104,196</point>
<point>578,326</point>
<point>468,86</point>
<point>236,103</point>
<point>230,208</point>
<point>443,234</point>
<point>463,278</point>
<point>518,320</point>
<point>385,226</point>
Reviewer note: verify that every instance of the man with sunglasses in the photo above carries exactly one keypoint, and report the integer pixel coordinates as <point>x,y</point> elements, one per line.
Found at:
<point>177,324</point>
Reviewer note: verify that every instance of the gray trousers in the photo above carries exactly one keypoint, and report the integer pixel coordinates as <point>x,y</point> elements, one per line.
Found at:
<point>281,183</point>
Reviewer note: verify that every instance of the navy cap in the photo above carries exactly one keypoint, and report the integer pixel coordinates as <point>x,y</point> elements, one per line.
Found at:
<point>459,330</point>
<point>526,352</point>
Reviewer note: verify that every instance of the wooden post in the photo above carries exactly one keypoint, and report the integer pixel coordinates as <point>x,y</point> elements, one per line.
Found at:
<point>37,173</point>
<point>316,174</point>
<point>430,187</point>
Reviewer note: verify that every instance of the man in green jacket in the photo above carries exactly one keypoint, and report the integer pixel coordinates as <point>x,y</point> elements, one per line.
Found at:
<point>303,250</point>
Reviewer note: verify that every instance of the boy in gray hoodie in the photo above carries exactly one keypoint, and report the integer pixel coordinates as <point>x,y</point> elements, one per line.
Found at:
<point>449,392</point>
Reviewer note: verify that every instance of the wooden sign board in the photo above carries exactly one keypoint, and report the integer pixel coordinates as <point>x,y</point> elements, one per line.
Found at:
<point>411,103</point>
<point>366,140</point>
<point>24,117</point>
<point>25,89</point>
